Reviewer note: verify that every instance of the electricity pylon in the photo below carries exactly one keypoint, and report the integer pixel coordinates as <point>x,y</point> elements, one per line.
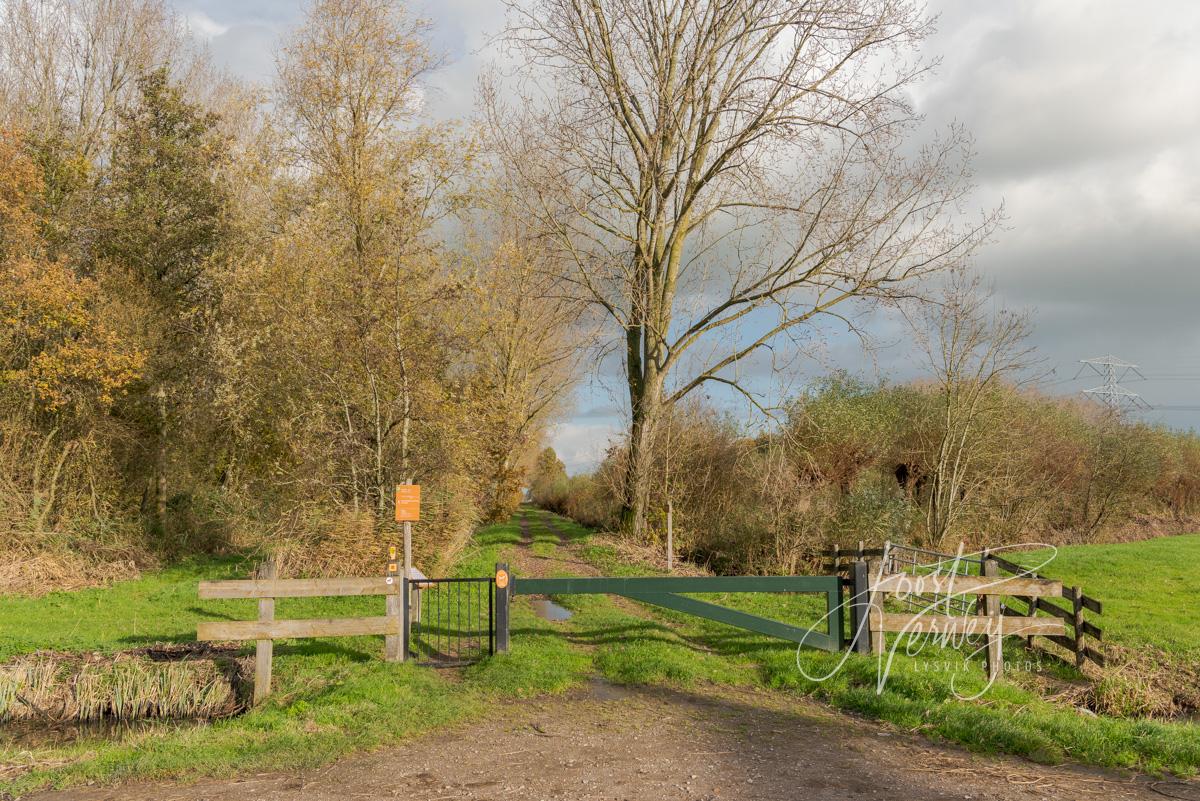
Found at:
<point>1113,370</point>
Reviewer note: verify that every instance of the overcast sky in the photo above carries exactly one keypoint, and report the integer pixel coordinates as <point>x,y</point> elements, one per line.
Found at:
<point>1086,117</point>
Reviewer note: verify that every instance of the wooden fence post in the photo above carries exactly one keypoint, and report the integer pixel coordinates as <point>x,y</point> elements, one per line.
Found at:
<point>264,650</point>
<point>995,649</point>
<point>670,536</point>
<point>394,645</point>
<point>860,629</point>
<point>1078,620</point>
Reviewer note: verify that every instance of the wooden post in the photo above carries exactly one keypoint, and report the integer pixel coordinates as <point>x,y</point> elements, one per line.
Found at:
<point>1078,601</point>
<point>860,630</point>
<point>670,537</point>
<point>995,650</point>
<point>394,645</point>
<point>264,650</point>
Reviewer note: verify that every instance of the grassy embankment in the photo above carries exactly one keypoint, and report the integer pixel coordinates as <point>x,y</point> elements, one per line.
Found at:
<point>336,696</point>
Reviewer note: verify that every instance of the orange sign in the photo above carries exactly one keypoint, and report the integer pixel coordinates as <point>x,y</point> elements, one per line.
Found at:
<point>408,502</point>
<point>501,579</point>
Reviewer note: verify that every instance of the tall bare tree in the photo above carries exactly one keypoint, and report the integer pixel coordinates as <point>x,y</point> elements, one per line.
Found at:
<point>723,173</point>
<point>68,66</point>
<point>972,352</point>
<point>528,354</point>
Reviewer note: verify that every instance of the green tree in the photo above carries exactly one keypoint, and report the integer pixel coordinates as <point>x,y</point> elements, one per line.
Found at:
<point>160,216</point>
<point>548,480</point>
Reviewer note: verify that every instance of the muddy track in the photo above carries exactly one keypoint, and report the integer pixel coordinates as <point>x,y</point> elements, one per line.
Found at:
<point>605,742</point>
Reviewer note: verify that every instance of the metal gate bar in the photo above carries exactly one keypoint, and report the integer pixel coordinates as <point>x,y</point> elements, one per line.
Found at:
<point>452,621</point>
<point>664,591</point>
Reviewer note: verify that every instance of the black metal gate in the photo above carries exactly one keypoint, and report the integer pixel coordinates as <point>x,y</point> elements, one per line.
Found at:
<point>452,620</point>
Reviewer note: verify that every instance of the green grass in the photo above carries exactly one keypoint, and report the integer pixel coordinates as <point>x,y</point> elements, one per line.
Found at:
<point>335,696</point>
<point>1148,588</point>
<point>922,693</point>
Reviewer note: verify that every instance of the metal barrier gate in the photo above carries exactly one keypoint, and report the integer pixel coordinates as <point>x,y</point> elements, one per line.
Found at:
<point>451,620</point>
<point>671,592</point>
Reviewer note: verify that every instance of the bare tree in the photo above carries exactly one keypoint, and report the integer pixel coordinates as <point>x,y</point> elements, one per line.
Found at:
<point>972,353</point>
<point>723,173</point>
<point>67,66</point>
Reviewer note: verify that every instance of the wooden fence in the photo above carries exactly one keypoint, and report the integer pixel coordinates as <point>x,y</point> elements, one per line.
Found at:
<point>1075,639</point>
<point>267,629</point>
<point>991,622</point>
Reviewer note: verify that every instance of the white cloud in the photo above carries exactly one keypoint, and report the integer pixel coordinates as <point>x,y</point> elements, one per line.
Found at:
<point>581,445</point>
<point>203,26</point>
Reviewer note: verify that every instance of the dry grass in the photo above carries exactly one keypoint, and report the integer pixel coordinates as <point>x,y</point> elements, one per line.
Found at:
<point>649,555</point>
<point>32,571</point>
<point>1144,682</point>
<point>130,686</point>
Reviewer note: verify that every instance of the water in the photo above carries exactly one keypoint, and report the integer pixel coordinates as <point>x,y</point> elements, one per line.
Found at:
<point>548,610</point>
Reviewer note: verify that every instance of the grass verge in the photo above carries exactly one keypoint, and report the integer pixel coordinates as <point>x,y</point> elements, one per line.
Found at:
<point>336,696</point>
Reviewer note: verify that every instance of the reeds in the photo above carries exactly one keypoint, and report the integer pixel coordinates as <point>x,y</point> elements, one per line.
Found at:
<point>124,687</point>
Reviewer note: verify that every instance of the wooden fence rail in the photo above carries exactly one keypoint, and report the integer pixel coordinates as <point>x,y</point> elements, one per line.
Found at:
<point>1024,605</point>
<point>991,623</point>
<point>267,629</point>
<point>1075,640</point>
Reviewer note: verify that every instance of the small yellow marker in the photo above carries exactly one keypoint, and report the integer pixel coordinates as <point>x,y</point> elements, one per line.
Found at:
<point>392,567</point>
<point>501,579</point>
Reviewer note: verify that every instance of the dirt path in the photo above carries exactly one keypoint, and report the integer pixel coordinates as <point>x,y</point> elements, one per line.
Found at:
<point>614,743</point>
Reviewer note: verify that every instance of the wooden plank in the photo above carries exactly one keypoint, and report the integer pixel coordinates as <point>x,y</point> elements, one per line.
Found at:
<point>1093,605</point>
<point>1063,640</point>
<point>948,584</point>
<point>264,650</point>
<point>1092,631</point>
<point>1054,609</point>
<point>296,588</point>
<point>284,629</point>
<point>943,624</point>
<point>1095,656</point>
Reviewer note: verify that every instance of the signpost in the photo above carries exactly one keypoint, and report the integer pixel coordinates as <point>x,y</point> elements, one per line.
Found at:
<point>408,510</point>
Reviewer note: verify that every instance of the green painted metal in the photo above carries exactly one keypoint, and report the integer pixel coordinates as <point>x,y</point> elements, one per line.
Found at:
<point>742,620</point>
<point>662,591</point>
<point>622,586</point>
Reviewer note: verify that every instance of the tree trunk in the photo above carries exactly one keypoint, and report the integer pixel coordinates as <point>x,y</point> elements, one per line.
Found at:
<point>160,463</point>
<point>646,402</point>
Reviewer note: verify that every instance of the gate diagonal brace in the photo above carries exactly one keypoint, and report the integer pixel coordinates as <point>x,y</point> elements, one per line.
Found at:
<point>734,617</point>
<point>664,591</point>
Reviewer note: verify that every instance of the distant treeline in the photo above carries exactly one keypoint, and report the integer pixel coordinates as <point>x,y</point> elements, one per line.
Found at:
<point>854,461</point>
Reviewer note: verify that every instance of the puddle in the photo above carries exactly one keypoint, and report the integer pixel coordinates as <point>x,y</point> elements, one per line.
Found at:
<point>548,610</point>
<point>602,690</point>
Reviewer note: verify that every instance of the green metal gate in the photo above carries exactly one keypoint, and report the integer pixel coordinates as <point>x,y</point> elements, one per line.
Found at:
<point>665,591</point>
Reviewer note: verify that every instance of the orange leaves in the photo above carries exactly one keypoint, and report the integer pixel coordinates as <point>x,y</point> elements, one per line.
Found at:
<point>53,345</point>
